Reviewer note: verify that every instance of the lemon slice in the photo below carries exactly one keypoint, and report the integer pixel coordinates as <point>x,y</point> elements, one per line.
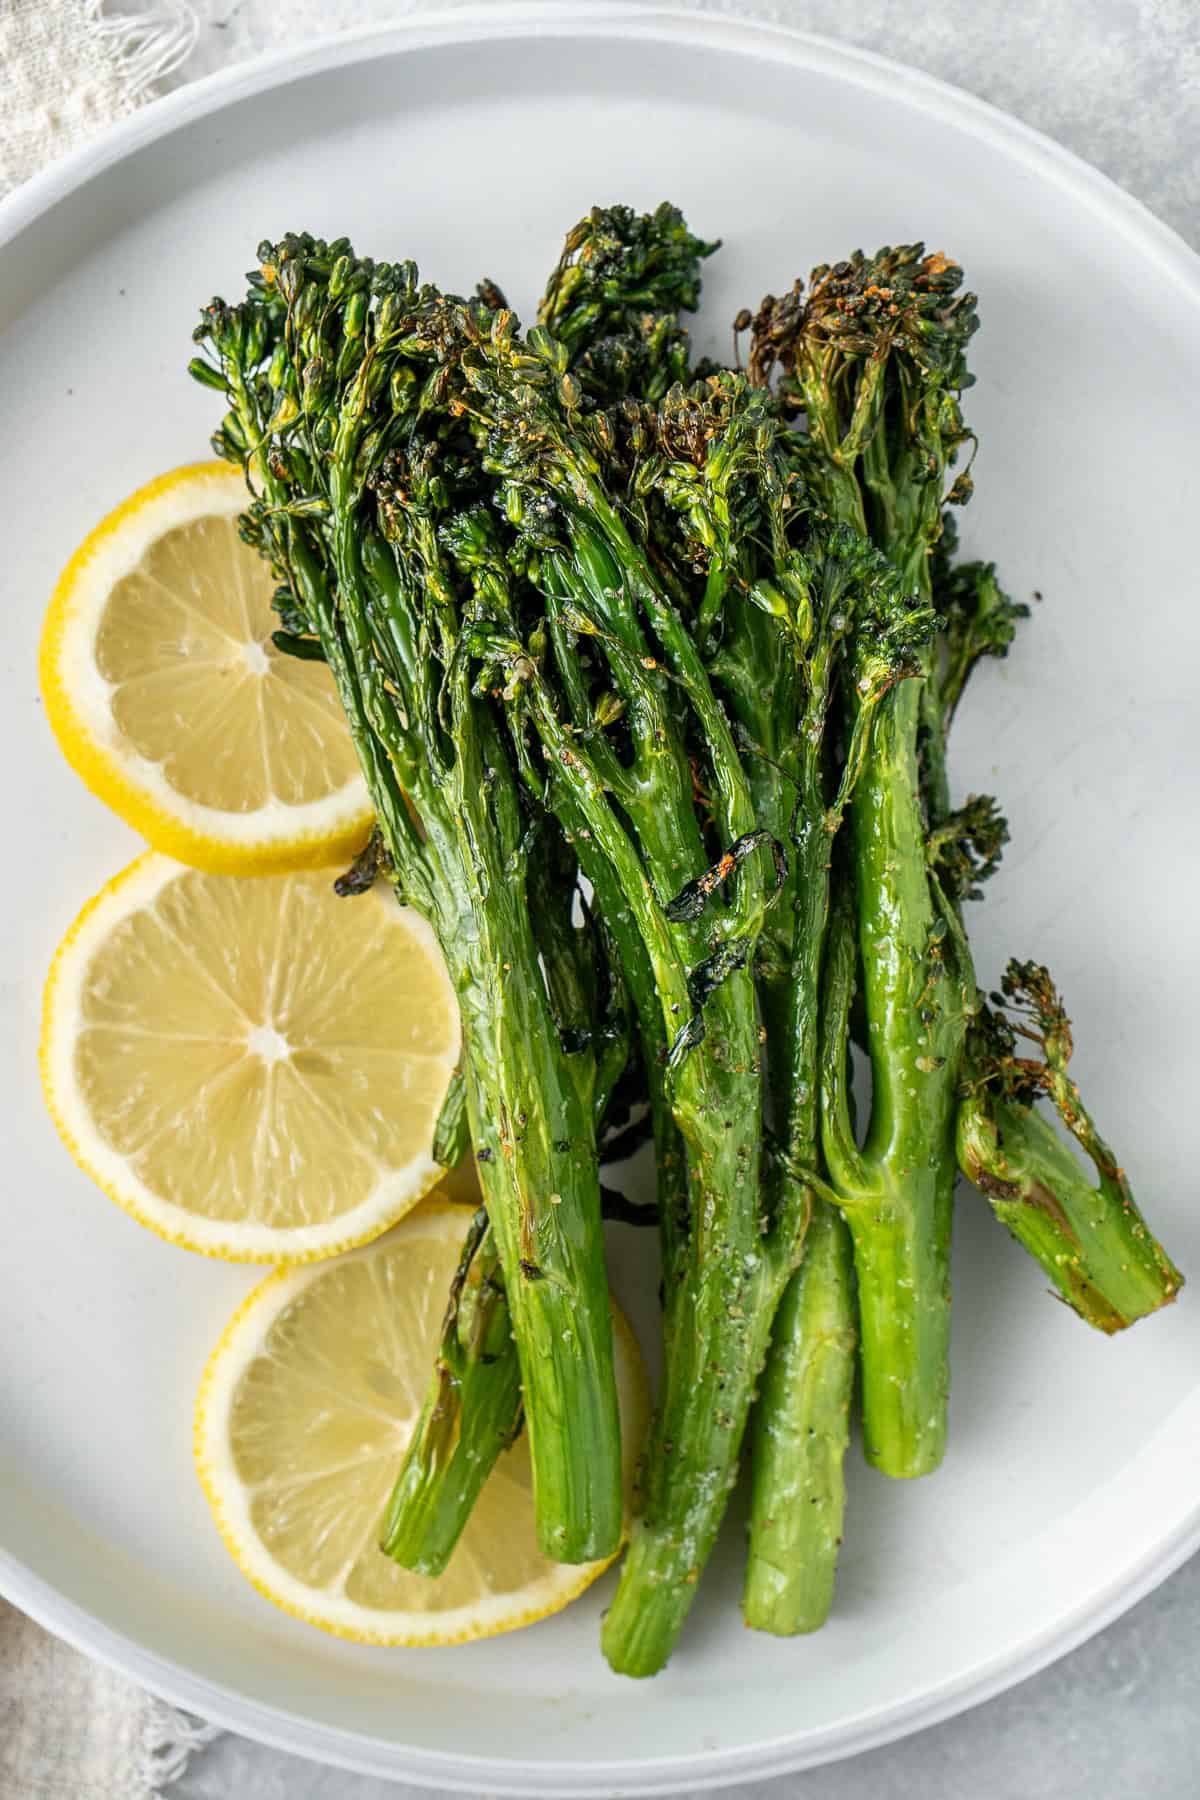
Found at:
<point>303,1414</point>
<point>168,697</point>
<point>254,1069</point>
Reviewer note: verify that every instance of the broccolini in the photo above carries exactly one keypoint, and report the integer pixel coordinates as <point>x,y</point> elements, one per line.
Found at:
<point>651,666</point>
<point>336,374</point>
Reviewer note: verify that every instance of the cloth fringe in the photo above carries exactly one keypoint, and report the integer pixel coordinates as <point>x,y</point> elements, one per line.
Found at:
<point>147,45</point>
<point>170,1738</point>
<point>74,67</point>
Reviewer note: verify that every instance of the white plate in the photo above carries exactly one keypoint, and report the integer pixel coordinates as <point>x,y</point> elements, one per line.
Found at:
<point>1073,1476</point>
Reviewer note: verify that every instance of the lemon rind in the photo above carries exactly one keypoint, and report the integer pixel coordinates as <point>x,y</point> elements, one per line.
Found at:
<point>276,838</point>
<point>242,1339</point>
<point>390,1200</point>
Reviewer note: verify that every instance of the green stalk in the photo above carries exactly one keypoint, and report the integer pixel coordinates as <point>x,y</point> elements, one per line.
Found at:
<point>533,1128</point>
<point>629,949</point>
<point>718,1302</point>
<point>874,351</point>
<point>473,1407</point>
<point>531,1123</point>
<point>901,1249</point>
<point>720,1296</point>
<point>720,1325</point>
<point>838,598</point>
<point>801,1429</point>
<point>896,1192</point>
<point>529,1106</point>
<point>1089,1237</point>
<point>773,662</point>
<point>1091,1240</point>
<point>471,1413</point>
<point>801,1420</point>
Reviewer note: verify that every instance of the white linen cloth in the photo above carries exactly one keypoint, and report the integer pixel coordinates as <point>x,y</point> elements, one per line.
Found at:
<point>71,1729</point>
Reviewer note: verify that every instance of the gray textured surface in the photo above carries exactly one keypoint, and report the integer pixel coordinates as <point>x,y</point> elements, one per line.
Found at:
<point>1117,81</point>
<point>1119,1716</point>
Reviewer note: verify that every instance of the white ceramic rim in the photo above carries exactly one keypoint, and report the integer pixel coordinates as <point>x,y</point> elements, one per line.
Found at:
<point>1145,235</point>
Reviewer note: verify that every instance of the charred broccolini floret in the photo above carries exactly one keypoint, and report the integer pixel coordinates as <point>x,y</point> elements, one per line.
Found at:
<point>615,298</point>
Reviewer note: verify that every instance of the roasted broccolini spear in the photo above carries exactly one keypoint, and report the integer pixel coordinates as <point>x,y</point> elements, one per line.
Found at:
<point>615,294</point>
<point>614,298</point>
<point>625,723</point>
<point>869,632</point>
<point>337,372</point>
<point>615,301</point>
<point>874,355</point>
<point>785,605</point>
<point>473,1409</point>
<point>1089,1237</point>
<point>616,585</point>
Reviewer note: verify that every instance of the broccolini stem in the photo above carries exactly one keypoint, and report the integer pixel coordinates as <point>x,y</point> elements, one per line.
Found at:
<point>876,354</point>
<point>721,1291</point>
<point>1091,1240</point>
<point>629,946</point>
<point>858,604</point>
<point>534,1134</point>
<point>1089,1237</point>
<point>471,1412</point>
<point>801,1420</point>
<point>801,1428</point>
<point>723,1282</point>
<point>901,1259</point>
<point>898,1193</point>
<point>720,1314</point>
